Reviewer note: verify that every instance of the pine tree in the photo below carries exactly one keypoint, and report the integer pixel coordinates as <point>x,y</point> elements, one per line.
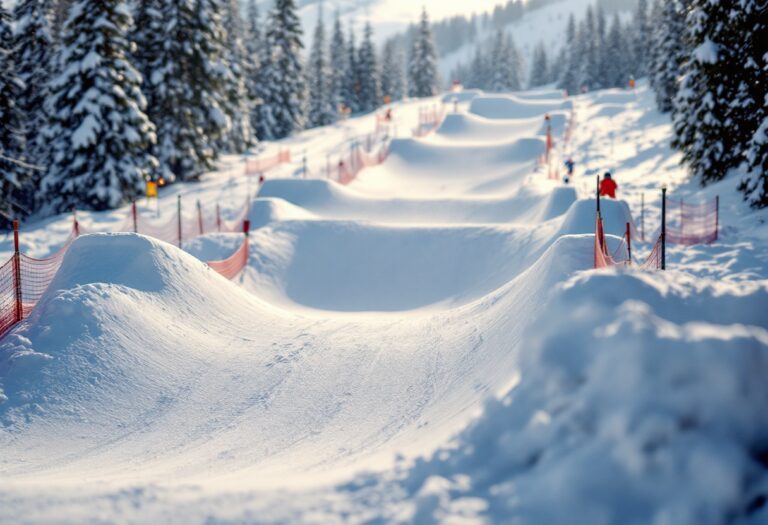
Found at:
<point>286,91</point>
<point>393,72</point>
<point>641,40</point>
<point>321,108</point>
<point>352,84</point>
<point>339,66</point>
<point>506,60</point>
<point>587,51</point>
<point>235,102</point>
<point>34,62</point>
<point>713,131</point>
<point>753,24</point>
<point>99,132</point>
<point>13,173</point>
<point>539,67</point>
<point>479,76</point>
<point>187,80</point>
<point>654,55</point>
<point>601,67</point>
<point>368,73</point>
<point>670,55</point>
<point>569,79</point>
<point>422,68</point>
<point>60,13</point>
<point>617,55</point>
<point>257,55</point>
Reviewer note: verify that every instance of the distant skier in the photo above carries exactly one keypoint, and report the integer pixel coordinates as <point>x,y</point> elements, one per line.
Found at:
<point>569,165</point>
<point>608,186</point>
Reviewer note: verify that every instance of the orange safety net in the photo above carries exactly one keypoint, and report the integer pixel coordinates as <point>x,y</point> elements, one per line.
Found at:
<point>266,163</point>
<point>230,267</point>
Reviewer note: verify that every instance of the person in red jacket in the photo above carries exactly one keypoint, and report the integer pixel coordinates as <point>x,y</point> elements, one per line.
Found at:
<point>608,186</point>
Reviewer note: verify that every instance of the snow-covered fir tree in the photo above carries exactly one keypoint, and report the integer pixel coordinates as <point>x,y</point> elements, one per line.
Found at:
<point>369,96</point>
<point>539,67</point>
<point>352,84</point>
<point>654,55</point>
<point>34,50</point>
<point>99,134</point>
<point>587,51</point>
<point>753,97</point>
<point>283,74</point>
<point>236,100</point>
<point>569,79</point>
<point>618,56</point>
<point>712,125</point>
<point>394,80</point>
<point>641,40</point>
<point>671,52</point>
<point>321,107</point>
<point>13,172</point>
<point>422,62</point>
<point>506,64</point>
<point>60,13</point>
<point>257,55</point>
<point>187,81</point>
<point>339,65</point>
<point>600,71</point>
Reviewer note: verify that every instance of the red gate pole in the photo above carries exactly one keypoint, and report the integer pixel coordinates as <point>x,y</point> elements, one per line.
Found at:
<point>135,217</point>
<point>246,227</point>
<point>717,216</point>
<point>629,245</point>
<point>218,217</point>
<point>17,272</point>
<point>178,217</point>
<point>200,217</point>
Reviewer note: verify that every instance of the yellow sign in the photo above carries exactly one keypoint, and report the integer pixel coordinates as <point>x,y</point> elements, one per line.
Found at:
<point>151,189</point>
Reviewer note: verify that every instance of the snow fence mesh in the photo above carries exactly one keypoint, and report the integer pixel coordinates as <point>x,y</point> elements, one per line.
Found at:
<point>24,279</point>
<point>689,224</point>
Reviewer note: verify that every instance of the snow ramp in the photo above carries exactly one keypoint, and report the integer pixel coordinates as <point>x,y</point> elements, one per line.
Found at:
<point>420,167</point>
<point>327,199</point>
<point>474,129</point>
<point>255,395</point>
<point>511,106</point>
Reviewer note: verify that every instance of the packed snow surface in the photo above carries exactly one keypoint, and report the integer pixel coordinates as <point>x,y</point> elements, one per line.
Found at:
<point>428,344</point>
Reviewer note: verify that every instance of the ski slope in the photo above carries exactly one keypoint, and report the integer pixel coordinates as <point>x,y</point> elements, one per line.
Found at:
<point>428,344</point>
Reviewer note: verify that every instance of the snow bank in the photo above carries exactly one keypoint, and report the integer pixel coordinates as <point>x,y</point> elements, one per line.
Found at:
<point>626,412</point>
<point>470,128</point>
<point>511,106</point>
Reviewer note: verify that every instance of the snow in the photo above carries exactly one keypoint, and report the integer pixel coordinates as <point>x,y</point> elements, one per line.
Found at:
<point>428,344</point>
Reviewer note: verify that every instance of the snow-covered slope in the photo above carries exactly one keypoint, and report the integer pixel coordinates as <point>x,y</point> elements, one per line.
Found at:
<point>426,345</point>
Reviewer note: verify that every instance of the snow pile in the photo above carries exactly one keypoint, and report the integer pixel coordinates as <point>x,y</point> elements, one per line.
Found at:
<point>626,412</point>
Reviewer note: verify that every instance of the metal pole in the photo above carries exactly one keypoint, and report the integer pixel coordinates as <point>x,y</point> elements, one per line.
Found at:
<point>200,217</point>
<point>218,216</point>
<point>717,217</point>
<point>135,217</point>
<point>75,223</point>
<point>663,227</point>
<point>629,244</point>
<point>178,217</point>
<point>597,194</point>
<point>17,272</point>
<point>246,227</point>
<point>642,217</point>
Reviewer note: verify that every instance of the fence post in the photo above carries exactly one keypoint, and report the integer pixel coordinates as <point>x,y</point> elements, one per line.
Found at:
<point>75,223</point>
<point>218,216</point>
<point>629,244</point>
<point>135,217</point>
<point>178,218</point>
<point>664,227</point>
<point>17,272</point>
<point>200,217</point>
<point>642,217</point>
<point>597,194</point>
<point>717,217</point>
<point>246,227</point>
<point>304,165</point>
<point>682,225</point>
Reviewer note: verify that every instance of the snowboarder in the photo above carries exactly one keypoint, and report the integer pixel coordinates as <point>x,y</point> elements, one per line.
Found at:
<point>608,186</point>
<point>569,165</point>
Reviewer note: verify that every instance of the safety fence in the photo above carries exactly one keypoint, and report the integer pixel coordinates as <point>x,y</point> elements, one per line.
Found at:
<point>555,153</point>
<point>694,224</point>
<point>364,152</point>
<point>24,279</point>
<point>430,119</point>
<point>265,163</point>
